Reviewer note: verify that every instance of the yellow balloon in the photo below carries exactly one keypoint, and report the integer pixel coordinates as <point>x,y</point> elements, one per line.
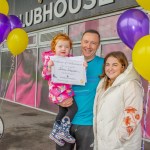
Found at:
<point>17,41</point>
<point>141,57</point>
<point>144,3</point>
<point>4,7</point>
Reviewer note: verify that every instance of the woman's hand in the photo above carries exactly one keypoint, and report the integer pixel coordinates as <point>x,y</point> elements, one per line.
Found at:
<point>68,102</point>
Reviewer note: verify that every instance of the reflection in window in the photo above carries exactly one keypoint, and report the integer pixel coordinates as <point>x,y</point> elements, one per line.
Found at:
<point>108,27</point>
<point>107,48</point>
<point>146,102</point>
<point>105,26</point>
<point>76,51</point>
<point>25,79</point>
<point>76,31</point>
<point>32,39</point>
<point>81,27</point>
<point>8,64</point>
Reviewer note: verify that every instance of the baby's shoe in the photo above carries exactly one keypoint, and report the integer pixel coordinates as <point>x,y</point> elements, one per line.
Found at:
<point>64,131</point>
<point>54,135</point>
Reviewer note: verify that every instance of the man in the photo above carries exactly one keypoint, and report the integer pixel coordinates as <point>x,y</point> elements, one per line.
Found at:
<point>82,124</point>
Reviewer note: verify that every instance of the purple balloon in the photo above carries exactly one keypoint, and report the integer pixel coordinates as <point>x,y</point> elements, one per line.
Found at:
<point>15,22</point>
<point>4,27</point>
<point>132,25</point>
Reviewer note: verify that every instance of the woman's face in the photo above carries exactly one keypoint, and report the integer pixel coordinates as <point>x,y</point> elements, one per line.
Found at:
<point>113,68</point>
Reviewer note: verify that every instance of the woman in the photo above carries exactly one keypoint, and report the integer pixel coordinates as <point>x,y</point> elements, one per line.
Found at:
<point>118,106</point>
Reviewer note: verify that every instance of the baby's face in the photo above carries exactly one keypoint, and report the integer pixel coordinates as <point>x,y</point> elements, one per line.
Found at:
<point>62,48</point>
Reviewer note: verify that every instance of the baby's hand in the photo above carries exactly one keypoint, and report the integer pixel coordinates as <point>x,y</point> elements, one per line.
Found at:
<point>85,64</point>
<point>50,64</point>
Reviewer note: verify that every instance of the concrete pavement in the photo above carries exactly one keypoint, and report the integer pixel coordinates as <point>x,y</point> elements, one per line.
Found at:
<point>27,128</point>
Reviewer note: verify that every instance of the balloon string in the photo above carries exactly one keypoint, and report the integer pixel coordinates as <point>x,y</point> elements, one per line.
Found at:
<point>145,114</point>
<point>1,45</point>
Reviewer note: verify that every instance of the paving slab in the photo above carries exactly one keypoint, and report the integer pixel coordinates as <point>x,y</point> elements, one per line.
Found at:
<point>25,128</point>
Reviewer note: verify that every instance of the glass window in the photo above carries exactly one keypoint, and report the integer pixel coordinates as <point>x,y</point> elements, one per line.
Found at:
<point>32,39</point>
<point>8,63</point>
<point>107,48</point>
<point>76,30</point>
<point>108,27</point>
<point>26,77</point>
<point>76,50</point>
<point>105,26</point>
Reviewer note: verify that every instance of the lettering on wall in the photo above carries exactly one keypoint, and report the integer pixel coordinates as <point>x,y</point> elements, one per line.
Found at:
<point>48,12</point>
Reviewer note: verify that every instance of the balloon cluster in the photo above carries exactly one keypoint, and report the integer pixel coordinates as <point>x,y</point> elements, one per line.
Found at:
<point>133,30</point>
<point>11,30</point>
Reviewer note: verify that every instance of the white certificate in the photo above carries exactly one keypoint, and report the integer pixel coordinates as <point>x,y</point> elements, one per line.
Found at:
<point>68,70</point>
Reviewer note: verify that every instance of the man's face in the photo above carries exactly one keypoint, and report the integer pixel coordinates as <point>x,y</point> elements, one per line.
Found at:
<point>89,45</point>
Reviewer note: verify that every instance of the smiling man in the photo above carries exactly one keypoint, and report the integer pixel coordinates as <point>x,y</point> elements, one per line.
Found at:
<point>82,124</point>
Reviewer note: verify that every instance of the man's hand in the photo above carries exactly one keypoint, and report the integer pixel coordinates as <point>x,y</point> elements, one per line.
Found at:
<point>68,102</point>
<point>85,64</point>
